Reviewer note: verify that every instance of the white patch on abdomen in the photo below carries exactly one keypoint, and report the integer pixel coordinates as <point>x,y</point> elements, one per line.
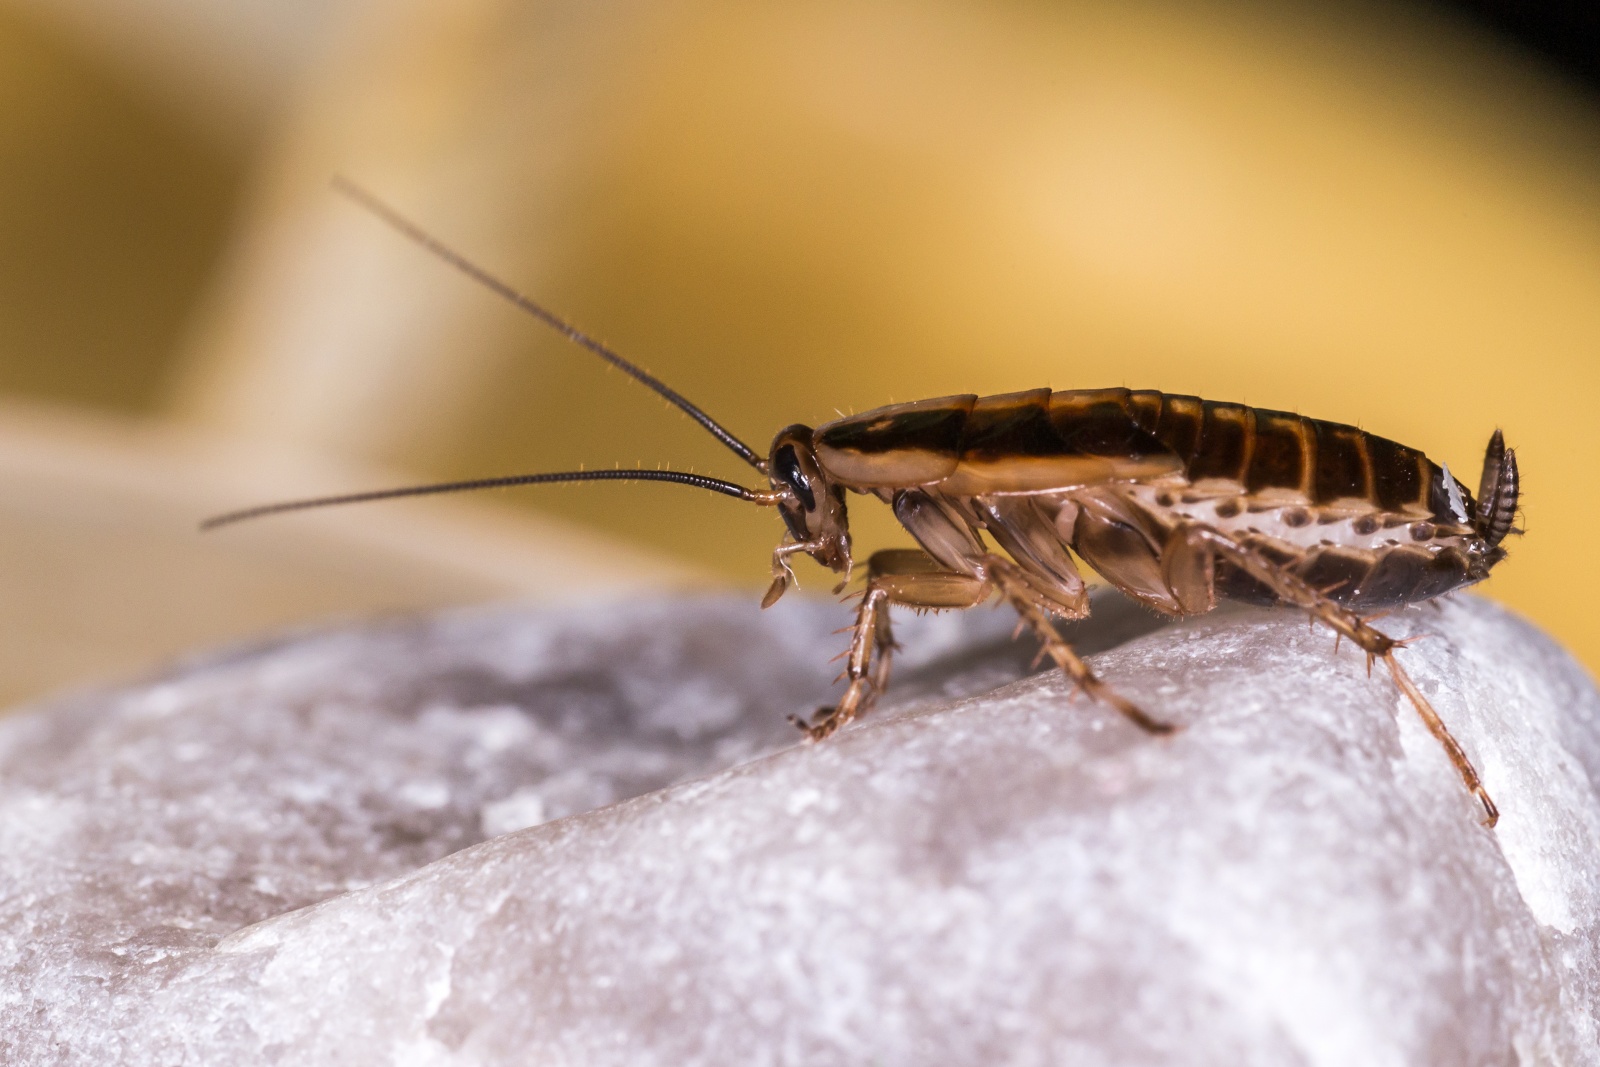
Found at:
<point>1231,514</point>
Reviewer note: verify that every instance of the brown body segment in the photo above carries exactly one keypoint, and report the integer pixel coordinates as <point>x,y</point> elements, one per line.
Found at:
<point>1226,440</point>
<point>1281,458</point>
<point>1344,467</point>
<point>1040,441</point>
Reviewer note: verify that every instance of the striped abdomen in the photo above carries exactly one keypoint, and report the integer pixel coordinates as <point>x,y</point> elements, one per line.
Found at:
<point>1041,440</point>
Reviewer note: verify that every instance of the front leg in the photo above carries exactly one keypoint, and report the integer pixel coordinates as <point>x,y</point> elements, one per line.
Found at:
<point>782,573</point>
<point>894,576</point>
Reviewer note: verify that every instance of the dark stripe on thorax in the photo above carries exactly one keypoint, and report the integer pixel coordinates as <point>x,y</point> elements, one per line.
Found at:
<point>1041,424</point>
<point>933,426</point>
<point>1012,424</point>
<point>1101,422</point>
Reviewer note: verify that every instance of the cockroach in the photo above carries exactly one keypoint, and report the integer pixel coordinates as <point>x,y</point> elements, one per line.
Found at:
<point>1174,500</point>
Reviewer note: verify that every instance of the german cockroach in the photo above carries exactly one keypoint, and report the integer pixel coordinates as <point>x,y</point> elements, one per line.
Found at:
<point>1174,500</point>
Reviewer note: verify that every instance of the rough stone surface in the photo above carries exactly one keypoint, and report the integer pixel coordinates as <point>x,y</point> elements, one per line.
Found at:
<point>513,837</point>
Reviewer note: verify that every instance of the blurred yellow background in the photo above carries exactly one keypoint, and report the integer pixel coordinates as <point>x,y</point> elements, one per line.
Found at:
<point>1367,212</point>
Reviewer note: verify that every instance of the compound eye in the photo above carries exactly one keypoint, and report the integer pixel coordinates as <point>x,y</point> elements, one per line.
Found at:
<point>787,467</point>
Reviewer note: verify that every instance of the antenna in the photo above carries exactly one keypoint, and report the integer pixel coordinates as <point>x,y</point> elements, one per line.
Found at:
<point>698,481</point>
<point>549,318</point>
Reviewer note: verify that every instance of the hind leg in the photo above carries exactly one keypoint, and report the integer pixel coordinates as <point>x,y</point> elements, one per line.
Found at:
<point>1377,645</point>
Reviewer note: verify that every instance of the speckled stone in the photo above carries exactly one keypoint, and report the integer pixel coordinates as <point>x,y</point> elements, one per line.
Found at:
<point>521,837</point>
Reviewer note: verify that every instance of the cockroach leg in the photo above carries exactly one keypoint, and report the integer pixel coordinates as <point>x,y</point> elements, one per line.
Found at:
<point>1029,605</point>
<point>1377,645</point>
<point>782,573</point>
<point>870,634</point>
<point>849,570</point>
<point>896,576</point>
<point>1441,733</point>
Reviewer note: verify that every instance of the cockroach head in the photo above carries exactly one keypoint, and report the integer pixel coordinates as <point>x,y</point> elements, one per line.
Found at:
<point>812,505</point>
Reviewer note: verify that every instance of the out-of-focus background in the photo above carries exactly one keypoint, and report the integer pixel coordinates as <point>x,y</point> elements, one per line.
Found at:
<point>1385,213</point>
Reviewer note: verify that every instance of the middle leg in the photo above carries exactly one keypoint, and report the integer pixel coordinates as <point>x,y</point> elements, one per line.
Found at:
<point>1020,590</point>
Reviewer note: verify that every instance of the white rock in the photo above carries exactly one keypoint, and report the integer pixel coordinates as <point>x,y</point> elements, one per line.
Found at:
<point>263,857</point>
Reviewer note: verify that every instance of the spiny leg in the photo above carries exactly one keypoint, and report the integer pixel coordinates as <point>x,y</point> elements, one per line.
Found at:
<point>867,676</point>
<point>1377,645</point>
<point>894,576</point>
<point>782,573</point>
<point>1018,591</point>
